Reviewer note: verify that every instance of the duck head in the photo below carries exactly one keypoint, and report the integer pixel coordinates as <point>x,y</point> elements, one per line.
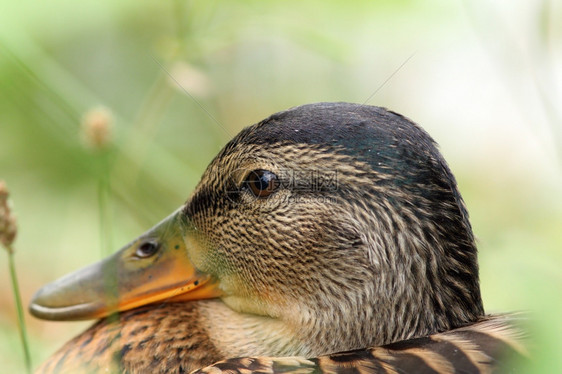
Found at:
<point>339,223</point>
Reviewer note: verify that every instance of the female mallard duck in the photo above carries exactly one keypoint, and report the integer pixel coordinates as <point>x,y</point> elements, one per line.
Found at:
<point>325,228</point>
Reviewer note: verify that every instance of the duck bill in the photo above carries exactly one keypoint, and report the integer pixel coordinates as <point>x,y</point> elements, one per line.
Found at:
<point>153,268</point>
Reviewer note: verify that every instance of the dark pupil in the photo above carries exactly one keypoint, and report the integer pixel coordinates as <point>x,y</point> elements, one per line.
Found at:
<point>262,181</point>
<point>147,249</point>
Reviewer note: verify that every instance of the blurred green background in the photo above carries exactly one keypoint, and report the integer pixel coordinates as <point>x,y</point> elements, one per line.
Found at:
<point>180,78</point>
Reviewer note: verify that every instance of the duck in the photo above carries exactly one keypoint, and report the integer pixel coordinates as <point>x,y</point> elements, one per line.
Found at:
<point>327,238</point>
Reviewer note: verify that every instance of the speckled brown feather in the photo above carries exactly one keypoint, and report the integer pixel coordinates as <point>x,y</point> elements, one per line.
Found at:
<point>152,339</point>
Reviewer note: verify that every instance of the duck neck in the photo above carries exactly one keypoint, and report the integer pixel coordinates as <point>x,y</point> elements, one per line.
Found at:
<point>237,334</point>
<point>304,332</point>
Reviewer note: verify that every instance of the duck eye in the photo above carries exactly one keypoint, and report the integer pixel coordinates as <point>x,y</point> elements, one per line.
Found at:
<point>147,249</point>
<point>262,183</point>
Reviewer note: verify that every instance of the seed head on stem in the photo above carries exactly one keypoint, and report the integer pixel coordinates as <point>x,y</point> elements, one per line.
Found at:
<point>8,227</point>
<point>97,126</point>
<point>8,232</point>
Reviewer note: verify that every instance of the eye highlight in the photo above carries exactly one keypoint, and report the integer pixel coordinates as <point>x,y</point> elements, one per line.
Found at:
<point>261,183</point>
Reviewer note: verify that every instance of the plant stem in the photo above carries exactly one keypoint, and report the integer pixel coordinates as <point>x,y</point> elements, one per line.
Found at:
<point>103,205</point>
<point>106,236</point>
<point>19,307</point>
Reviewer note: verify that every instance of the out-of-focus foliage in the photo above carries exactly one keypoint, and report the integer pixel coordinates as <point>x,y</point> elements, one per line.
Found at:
<point>179,78</point>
